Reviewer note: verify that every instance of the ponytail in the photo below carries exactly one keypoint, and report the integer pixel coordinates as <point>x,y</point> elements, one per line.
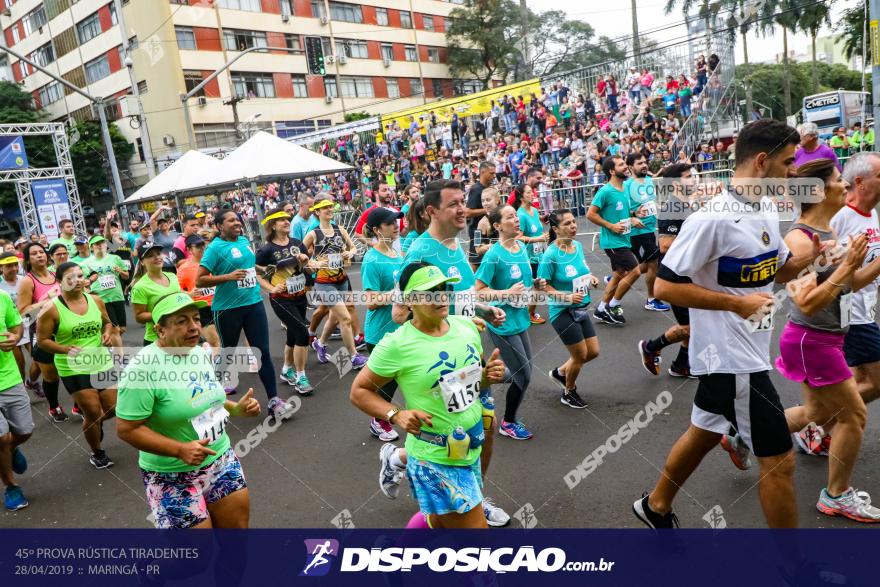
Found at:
<point>138,273</point>
<point>554,219</point>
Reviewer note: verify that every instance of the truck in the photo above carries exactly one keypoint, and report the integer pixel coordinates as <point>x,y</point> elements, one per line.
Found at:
<point>831,110</point>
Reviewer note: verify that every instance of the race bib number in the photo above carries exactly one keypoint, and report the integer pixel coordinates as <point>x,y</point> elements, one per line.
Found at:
<point>871,304</point>
<point>296,284</point>
<point>461,388</point>
<point>627,226</point>
<point>539,248</point>
<point>580,284</point>
<point>846,303</point>
<point>204,292</point>
<point>250,279</point>
<point>648,209</point>
<point>334,261</point>
<point>211,424</point>
<point>106,282</point>
<point>465,303</point>
<point>766,323</point>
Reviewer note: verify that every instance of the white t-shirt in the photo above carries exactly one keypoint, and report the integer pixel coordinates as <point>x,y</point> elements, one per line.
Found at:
<point>729,247</point>
<point>846,223</point>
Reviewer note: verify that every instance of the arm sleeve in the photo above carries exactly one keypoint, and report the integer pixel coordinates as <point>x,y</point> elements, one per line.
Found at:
<point>545,266</point>
<point>12,317</point>
<point>384,359</point>
<point>370,277</point>
<point>486,270</point>
<point>135,400</point>
<point>209,260</point>
<point>139,294</point>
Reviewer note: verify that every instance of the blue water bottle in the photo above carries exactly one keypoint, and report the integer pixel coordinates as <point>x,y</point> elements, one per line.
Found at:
<point>458,443</point>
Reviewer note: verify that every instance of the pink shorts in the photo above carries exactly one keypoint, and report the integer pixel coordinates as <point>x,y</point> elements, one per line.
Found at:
<point>812,356</point>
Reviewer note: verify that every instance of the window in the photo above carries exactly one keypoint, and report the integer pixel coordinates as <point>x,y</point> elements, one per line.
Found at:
<point>330,87</point>
<point>393,88</point>
<point>34,20</point>
<point>249,5</point>
<point>114,20</point>
<point>142,87</point>
<point>253,85</point>
<point>462,87</point>
<point>353,49</point>
<point>15,37</point>
<point>23,69</point>
<point>410,53</point>
<point>382,16</point>
<point>88,28</point>
<point>239,40</point>
<point>44,55</point>
<point>346,12</point>
<point>356,87</point>
<point>191,79</point>
<point>387,52</point>
<point>433,54</point>
<point>97,69</point>
<point>186,39</point>
<point>437,86</point>
<point>429,22</point>
<point>133,43</point>
<point>287,7</point>
<point>416,88</point>
<point>65,42</point>
<point>50,93</point>
<point>292,41</point>
<point>405,19</point>
<point>300,89</point>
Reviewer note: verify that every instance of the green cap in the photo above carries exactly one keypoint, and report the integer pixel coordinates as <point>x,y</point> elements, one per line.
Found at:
<point>173,303</point>
<point>427,278</point>
<point>96,239</point>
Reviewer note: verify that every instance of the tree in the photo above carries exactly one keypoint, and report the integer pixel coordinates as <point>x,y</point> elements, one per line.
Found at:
<point>16,107</point>
<point>483,39</point>
<point>852,27</point>
<point>812,17</point>
<point>784,14</point>
<point>353,116</point>
<point>559,44</point>
<point>89,157</point>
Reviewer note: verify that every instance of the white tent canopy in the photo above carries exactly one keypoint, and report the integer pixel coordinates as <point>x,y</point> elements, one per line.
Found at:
<point>190,173</point>
<point>265,157</point>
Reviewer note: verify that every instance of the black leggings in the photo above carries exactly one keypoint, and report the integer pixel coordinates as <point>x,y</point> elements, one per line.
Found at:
<point>292,312</point>
<point>387,390</point>
<point>252,319</point>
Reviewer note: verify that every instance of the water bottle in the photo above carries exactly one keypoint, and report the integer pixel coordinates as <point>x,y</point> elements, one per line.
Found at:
<point>488,403</point>
<point>458,443</point>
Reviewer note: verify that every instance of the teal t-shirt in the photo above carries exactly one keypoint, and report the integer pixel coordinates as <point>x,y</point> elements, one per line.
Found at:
<point>530,224</point>
<point>222,257</point>
<point>613,206</point>
<point>452,262</point>
<point>501,269</point>
<point>408,240</point>
<point>299,226</point>
<point>560,269</point>
<point>379,273</point>
<point>642,204</point>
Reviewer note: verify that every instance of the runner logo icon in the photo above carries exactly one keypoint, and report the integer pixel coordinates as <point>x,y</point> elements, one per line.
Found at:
<point>320,554</point>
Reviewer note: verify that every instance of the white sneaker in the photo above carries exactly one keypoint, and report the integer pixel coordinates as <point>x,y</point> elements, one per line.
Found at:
<point>852,504</point>
<point>389,477</point>
<point>383,430</point>
<point>495,516</point>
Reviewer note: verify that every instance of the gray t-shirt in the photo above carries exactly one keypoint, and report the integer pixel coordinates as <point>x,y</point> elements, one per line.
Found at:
<point>828,318</point>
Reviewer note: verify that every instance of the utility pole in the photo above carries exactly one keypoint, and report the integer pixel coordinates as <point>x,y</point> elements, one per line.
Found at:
<point>875,62</point>
<point>524,24</point>
<point>233,101</point>
<point>637,46</point>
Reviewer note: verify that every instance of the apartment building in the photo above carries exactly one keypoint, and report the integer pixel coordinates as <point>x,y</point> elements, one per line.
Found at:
<point>380,55</point>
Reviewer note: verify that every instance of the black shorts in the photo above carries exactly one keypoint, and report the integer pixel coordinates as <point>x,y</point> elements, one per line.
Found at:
<point>116,312</point>
<point>862,344</point>
<point>206,316</point>
<point>622,259</point>
<point>534,271</point>
<point>644,247</point>
<point>75,383</point>
<point>682,315</point>
<point>41,356</point>
<point>571,331</point>
<point>750,404</point>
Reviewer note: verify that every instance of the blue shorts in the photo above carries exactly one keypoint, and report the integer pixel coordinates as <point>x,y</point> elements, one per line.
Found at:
<point>445,489</point>
<point>862,344</point>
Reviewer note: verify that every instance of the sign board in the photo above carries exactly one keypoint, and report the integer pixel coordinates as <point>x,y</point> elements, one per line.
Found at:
<point>12,155</point>
<point>875,43</point>
<point>50,199</point>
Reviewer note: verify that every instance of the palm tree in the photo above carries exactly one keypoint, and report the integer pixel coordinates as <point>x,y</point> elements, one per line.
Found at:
<point>743,15</point>
<point>785,14</point>
<point>811,19</point>
<point>705,11</point>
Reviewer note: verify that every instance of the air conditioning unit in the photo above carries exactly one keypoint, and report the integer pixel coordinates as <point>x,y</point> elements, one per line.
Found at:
<point>202,101</point>
<point>343,60</point>
<point>328,99</point>
<point>325,20</point>
<point>7,12</point>
<point>168,140</point>
<point>330,59</point>
<point>386,62</point>
<point>285,18</point>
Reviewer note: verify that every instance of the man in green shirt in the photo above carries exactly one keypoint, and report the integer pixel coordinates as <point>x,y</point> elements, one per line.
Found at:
<point>863,140</point>
<point>66,237</point>
<point>16,420</point>
<point>610,211</point>
<point>840,143</point>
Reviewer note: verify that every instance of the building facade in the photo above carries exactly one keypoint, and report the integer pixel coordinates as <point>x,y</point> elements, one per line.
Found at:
<point>380,56</point>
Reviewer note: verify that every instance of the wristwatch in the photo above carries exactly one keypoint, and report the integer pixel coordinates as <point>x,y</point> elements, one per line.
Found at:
<point>391,413</point>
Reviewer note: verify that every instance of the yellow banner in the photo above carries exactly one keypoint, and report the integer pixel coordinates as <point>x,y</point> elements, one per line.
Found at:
<point>875,43</point>
<point>469,105</point>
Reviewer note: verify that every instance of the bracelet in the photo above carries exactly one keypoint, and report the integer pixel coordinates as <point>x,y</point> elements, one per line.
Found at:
<point>840,285</point>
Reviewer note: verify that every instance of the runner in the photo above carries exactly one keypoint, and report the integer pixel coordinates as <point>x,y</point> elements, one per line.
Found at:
<point>81,244</point>
<point>505,273</point>
<point>300,222</point>
<point>532,234</point>
<point>722,266</point>
<point>331,249</point>
<point>163,235</point>
<point>643,205</point>
<point>383,197</point>
<point>149,284</point>
<point>811,345</point>
<point>282,264</point>
<point>10,283</point>
<point>379,272</point>
<point>229,266</point>
<point>485,235</point>
<point>186,277</point>
<point>76,329</point>
<point>475,209</point>
<point>57,254</point>
<point>16,419</point>
<point>567,277</point>
<point>179,252</point>
<point>435,359</point>
<point>34,295</point>
<point>610,211</point>
<point>66,236</point>
<point>105,273</point>
<point>417,222</point>
<point>193,478</point>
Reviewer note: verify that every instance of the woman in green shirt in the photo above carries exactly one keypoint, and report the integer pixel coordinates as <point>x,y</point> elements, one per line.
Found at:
<point>77,330</point>
<point>174,411</point>
<point>150,284</point>
<point>106,272</point>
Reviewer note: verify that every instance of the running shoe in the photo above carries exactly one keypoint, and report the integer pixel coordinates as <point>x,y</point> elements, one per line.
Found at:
<point>358,361</point>
<point>826,445</point>
<point>852,504</point>
<point>14,498</point>
<point>652,519</point>
<point>606,279</point>
<point>557,376</point>
<point>321,351</point>
<point>389,477</point>
<point>617,314</point>
<point>738,451</point>
<point>336,334</point>
<point>656,305</point>
<point>604,316</point>
<point>514,430</point>
<point>303,385</point>
<point>495,516</point>
<point>809,440</point>
<point>383,430</point>
<point>77,412</point>
<point>537,319</point>
<point>229,390</point>
<point>19,463</point>
<point>58,415</point>
<point>650,361</point>
<point>359,342</point>
<point>100,460</point>
<point>288,376</point>
<point>676,371</point>
<point>278,408</point>
<point>573,400</point>
<point>35,386</point>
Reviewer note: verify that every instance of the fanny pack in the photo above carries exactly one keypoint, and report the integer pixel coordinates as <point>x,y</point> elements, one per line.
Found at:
<point>476,432</point>
<point>578,314</point>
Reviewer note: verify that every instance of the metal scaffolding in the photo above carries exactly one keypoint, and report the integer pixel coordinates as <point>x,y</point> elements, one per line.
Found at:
<point>22,178</point>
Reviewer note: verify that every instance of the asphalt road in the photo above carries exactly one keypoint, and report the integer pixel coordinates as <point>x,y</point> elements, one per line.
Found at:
<point>321,466</point>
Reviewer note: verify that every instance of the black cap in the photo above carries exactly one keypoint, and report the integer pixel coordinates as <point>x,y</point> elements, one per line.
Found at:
<point>81,240</point>
<point>146,247</point>
<point>381,216</point>
<point>193,240</point>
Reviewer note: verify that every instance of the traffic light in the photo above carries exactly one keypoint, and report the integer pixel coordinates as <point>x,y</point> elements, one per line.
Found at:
<point>315,56</point>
